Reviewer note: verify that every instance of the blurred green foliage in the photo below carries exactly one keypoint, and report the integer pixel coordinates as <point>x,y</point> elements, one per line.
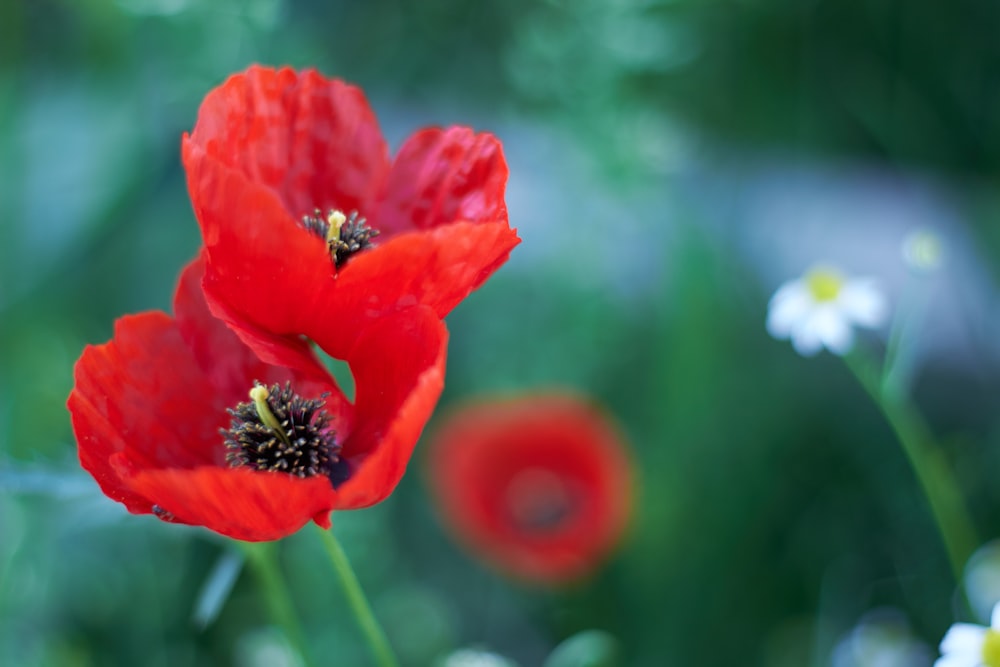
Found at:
<point>774,508</point>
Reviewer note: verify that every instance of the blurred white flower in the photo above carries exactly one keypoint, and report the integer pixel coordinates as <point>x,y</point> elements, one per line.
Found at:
<point>265,647</point>
<point>468,657</point>
<point>969,645</point>
<point>882,638</point>
<point>821,308</point>
<point>982,579</point>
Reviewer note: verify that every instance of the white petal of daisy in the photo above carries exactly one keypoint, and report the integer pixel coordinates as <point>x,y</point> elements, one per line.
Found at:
<point>995,617</point>
<point>806,338</point>
<point>788,306</point>
<point>864,303</point>
<point>834,330</point>
<point>957,661</point>
<point>964,640</point>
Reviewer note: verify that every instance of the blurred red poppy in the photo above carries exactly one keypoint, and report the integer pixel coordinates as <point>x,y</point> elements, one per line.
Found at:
<point>148,407</point>
<point>276,162</point>
<point>539,485</point>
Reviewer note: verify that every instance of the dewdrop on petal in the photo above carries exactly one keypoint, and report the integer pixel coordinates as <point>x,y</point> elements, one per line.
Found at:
<point>821,309</point>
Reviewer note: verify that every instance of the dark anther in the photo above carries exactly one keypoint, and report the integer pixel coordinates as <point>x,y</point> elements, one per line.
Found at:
<point>316,223</point>
<point>355,236</point>
<point>344,235</point>
<point>293,435</point>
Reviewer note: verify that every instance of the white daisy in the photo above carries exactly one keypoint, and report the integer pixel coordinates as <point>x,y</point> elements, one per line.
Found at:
<point>821,308</point>
<point>969,645</point>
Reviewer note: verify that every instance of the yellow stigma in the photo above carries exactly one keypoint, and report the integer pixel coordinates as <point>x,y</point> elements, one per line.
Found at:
<point>336,220</point>
<point>259,396</point>
<point>991,648</point>
<point>824,284</point>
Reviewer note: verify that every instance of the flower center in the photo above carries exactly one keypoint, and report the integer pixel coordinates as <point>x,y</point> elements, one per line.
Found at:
<point>344,235</point>
<point>824,284</point>
<point>278,430</point>
<point>991,648</point>
<point>538,500</point>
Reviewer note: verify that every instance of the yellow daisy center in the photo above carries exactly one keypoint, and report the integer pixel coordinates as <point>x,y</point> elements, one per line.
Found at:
<point>824,284</point>
<point>991,648</point>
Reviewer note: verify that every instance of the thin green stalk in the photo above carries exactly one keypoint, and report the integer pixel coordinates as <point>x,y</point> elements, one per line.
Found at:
<point>263,560</point>
<point>929,464</point>
<point>374,635</point>
<point>900,353</point>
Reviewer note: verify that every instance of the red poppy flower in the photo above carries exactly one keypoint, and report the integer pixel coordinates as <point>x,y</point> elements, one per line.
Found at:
<point>276,162</point>
<point>148,407</point>
<point>538,486</point>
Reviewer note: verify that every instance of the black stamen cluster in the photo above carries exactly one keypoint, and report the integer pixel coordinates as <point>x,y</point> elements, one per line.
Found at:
<point>306,447</point>
<point>355,235</point>
<point>316,223</point>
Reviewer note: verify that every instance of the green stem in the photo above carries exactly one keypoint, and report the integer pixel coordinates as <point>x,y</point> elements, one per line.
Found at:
<point>375,636</point>
<point>929,464</point>
<point>900,353</point>
<point>263,560</point>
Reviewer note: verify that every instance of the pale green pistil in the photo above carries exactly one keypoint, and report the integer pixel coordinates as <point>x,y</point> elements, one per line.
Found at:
<point>259,396</point>
<point>824,285</point>
<point>991,648</point>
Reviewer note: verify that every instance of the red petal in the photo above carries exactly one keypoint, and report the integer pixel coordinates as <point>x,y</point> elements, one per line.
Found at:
<point>443,176</point>
<point>97,442</point>
<point>398,366</point>
<point>273,282</point>
<point>314,141</point>
<point>232,366</point>
<point>143,394</point>
<point>239,503</point>
<point>438,268</point>
<point>264,270</point>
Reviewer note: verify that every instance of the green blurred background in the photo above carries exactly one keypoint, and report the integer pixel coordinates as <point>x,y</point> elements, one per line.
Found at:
<point>672,162</point>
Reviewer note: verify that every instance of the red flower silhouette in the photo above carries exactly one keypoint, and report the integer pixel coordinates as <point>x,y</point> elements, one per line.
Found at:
<point>538,486</point>
<point>148,406</point>
<point>274,152</point>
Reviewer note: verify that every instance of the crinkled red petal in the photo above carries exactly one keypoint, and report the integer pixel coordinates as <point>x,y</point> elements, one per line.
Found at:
<point>442,176</point>
<point>314,141</point>
<point>265,272</point>
<point>232,366</point>
<point>438,268</point>
<point>239,503</point>
<point>272,281</point>
<point>398,367</point>
<point>144,395</point>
